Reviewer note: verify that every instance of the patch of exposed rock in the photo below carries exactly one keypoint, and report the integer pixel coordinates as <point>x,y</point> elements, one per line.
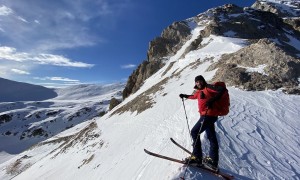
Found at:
<point>294,22</point>
<point>143,101</point>
<point>113,103</point>
<point>289,11</point>
<point>282,8</point>
<point>137,78</point>
<point>86,138</point>
<point>170,41</point>
<point>247,23</point>
<point>262,65</point>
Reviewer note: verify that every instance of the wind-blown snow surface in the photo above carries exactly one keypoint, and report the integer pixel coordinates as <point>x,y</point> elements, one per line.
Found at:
<point>259,139</point>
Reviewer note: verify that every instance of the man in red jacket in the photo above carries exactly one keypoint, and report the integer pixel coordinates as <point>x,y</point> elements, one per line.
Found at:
<point>206,94</point>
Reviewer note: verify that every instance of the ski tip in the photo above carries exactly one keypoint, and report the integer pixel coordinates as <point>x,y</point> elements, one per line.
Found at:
<point>148,152</point>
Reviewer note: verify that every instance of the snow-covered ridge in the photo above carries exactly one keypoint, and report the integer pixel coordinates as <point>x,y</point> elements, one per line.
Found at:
<point>25,123</point>
<point>12,91</point>
<point>285,8</point>
<point>85,91</point>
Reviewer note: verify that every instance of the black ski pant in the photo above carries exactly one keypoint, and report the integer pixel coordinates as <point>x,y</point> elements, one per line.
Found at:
<point>209,128</point>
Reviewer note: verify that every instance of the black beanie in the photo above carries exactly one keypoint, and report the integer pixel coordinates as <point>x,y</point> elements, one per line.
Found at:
<point>200,78</point>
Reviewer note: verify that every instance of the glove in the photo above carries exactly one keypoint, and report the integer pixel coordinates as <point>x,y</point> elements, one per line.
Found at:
<point>183,96</point>
<point>209,103</point>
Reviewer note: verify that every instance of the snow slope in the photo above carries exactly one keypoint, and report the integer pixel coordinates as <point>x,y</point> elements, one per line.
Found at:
<point>258,139</point>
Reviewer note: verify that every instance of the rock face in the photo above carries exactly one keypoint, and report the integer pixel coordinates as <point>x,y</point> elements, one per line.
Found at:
<point>170,41</point>
<point>246,23</point>
<point>272,30</point>
<point>288,10</point>
<point>262,65</point>
<point>113,103</point>
<point>281,8</point>
<point>136,79</point>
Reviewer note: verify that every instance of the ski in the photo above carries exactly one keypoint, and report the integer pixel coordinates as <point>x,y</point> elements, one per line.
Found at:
<point>189,152</point>
<point>164,157</point>
<point>183,148</point>
<point>219,174</point>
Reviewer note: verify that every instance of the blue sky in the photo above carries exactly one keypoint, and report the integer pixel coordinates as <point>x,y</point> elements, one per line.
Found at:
<point>63,42</point>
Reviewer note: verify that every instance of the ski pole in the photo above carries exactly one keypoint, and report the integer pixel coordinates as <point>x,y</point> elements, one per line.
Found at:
<point>187,122</point>
<point>198,137</point>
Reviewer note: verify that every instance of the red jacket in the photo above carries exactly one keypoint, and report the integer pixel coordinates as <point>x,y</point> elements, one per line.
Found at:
<point>203,96</point>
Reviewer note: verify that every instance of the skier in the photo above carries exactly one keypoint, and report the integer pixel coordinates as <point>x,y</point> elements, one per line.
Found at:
<point>206,94</point>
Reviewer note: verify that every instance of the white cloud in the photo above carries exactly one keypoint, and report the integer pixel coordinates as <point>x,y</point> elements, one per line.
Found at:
<point>128,66</point>
<point>18,71</point>
<point>58,25</point>
<point>22,19</point>
<point>63,79</point>
<point>5,11</point>
<point>9,53</point>
<point>57,79</point>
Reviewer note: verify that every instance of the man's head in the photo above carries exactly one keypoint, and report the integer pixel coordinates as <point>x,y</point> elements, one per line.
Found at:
<point>200,82</point>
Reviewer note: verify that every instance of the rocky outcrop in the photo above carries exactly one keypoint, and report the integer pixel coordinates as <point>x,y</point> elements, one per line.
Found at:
<point>113,103</point>
<point>170,41</point>
<point>137,78</point>
<point>246,23</point>
<point>289,11</point>
<point>262,65</point>
<point>294,22</point>
<point>281,8</point>
<point>5,118</point>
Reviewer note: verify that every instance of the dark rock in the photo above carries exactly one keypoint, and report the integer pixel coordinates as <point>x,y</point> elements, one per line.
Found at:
<point>5,118</point>
<point>170,41</point>
<point>280,69</point>
<point>113,103</point>
<point>38,132</point>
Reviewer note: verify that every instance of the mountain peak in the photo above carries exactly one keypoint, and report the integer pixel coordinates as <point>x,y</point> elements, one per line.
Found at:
<point>282,8</point>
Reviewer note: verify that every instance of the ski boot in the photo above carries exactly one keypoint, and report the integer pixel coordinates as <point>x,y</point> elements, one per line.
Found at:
<point>209,163</point>
<point>193,160</point>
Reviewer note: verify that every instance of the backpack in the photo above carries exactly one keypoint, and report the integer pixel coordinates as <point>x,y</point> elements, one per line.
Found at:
<point>222,105</point>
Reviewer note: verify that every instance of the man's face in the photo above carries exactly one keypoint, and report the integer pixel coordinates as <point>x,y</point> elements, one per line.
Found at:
<point>199,84</point>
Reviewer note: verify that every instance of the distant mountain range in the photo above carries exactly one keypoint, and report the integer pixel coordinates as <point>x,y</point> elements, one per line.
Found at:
<point>35,113</point>
<point>12,91</point>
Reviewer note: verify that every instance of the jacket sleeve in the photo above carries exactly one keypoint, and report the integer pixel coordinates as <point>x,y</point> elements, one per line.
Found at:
<point>194,95</point>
